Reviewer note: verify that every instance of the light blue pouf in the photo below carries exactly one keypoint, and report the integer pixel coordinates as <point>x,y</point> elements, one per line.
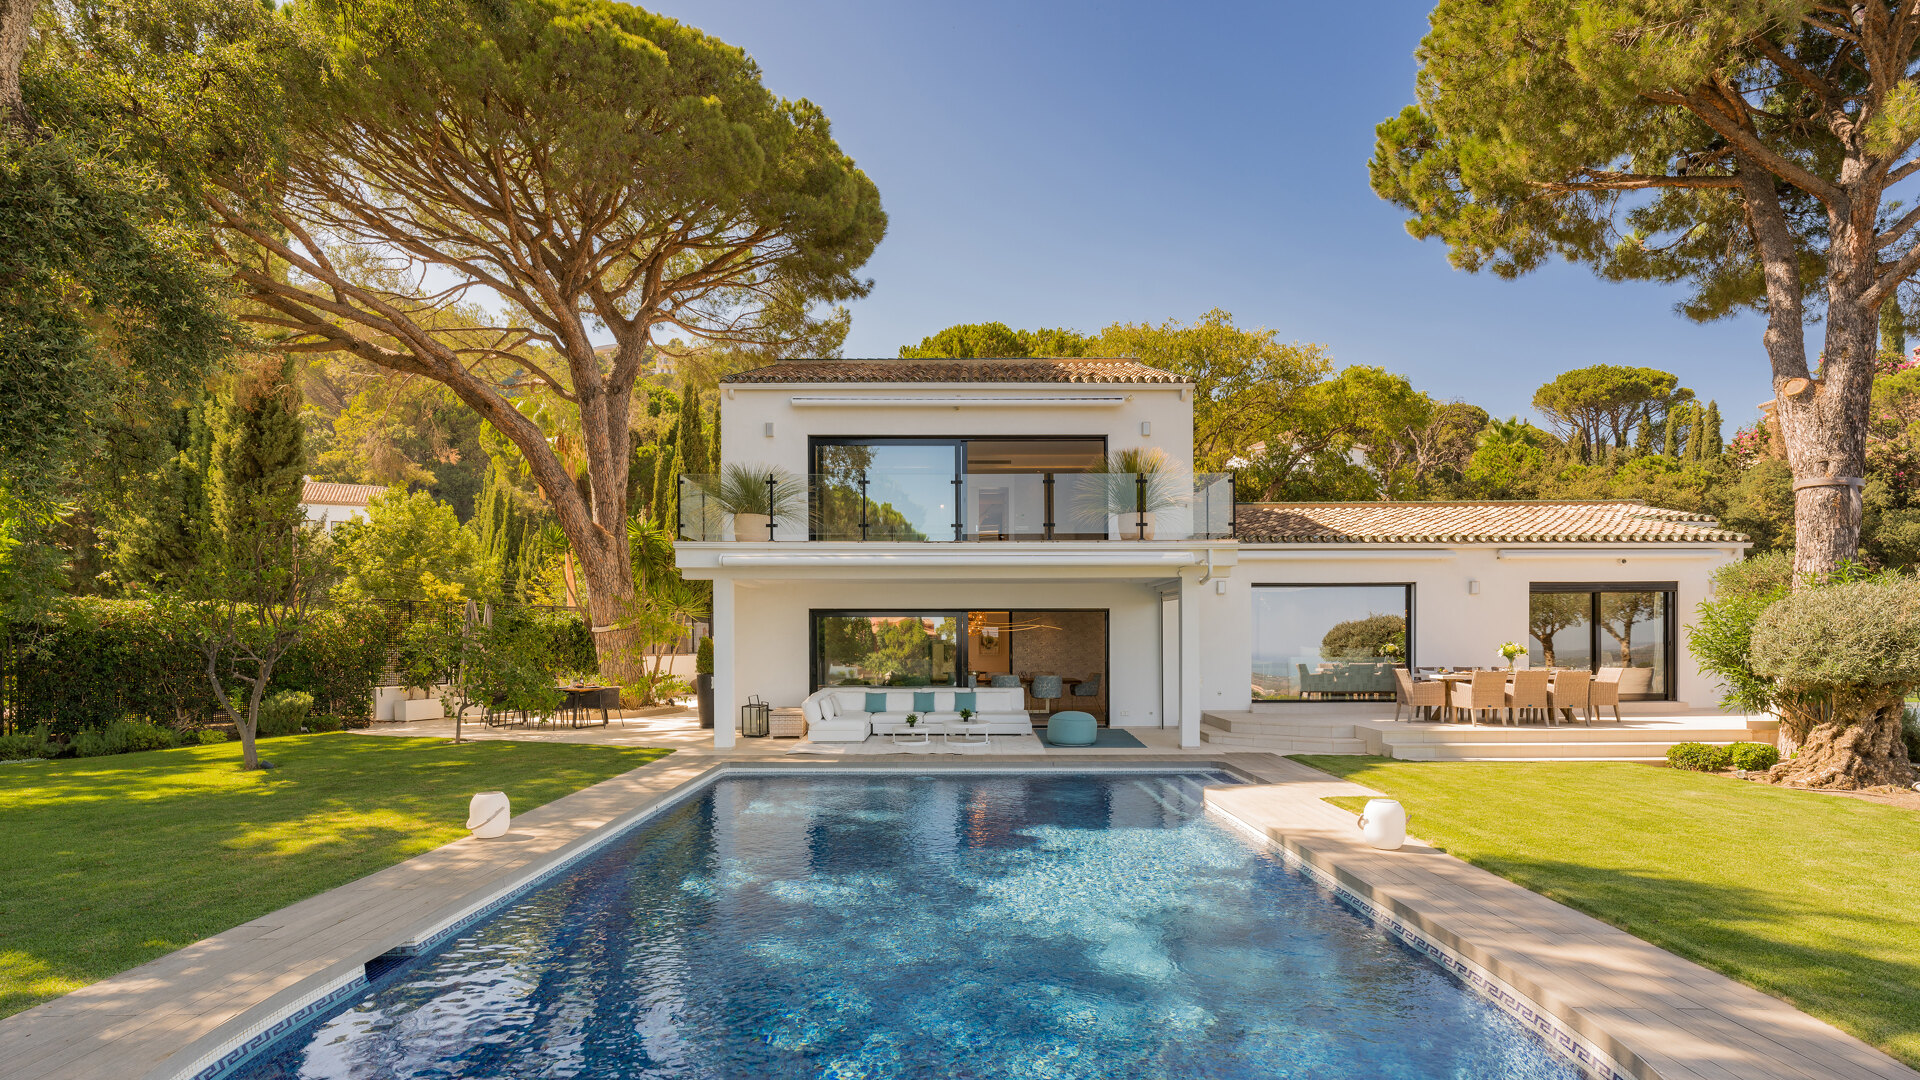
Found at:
<point>1072,729</point>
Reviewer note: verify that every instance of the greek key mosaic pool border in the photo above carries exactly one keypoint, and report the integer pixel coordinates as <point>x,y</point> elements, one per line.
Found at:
<point>1564,1041</point>
<point>229,1057</point>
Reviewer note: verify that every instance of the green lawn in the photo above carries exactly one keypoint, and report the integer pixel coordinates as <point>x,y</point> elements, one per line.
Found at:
<point>109,862</point>
<point>1811,898</point>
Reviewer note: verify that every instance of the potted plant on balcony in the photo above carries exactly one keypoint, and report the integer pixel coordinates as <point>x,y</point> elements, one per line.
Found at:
<point>755,496</point>
<point>1130,488</point>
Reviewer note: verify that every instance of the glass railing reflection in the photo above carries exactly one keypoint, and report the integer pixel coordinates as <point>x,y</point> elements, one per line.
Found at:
<point>925,506</point>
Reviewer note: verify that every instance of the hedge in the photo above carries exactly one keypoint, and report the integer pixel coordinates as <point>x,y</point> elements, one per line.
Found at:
<point>94,661</point>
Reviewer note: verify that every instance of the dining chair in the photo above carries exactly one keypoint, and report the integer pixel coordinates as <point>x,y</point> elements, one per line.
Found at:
<point>1486,692</point>
<point>1569,693</point>
<point>1605,690</point>
<point>1417,695</point>
<point>1528,693</point>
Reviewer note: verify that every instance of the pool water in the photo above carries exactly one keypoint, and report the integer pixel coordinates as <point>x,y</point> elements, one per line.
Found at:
<point>835,926</point>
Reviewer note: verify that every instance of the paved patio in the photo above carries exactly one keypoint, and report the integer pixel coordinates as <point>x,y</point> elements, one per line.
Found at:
<point>1655,1014</point>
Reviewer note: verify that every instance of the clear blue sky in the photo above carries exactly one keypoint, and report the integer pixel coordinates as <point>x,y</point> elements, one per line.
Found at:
<point>1067,163</point>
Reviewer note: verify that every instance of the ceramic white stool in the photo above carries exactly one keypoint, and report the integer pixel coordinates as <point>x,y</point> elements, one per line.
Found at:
<point>1384,824</point>
<point>489,814</point>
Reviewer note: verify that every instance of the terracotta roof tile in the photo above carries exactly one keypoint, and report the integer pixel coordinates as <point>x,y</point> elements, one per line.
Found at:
<point>1016,370</point>
<point>1474,522</point>
<point>330,494</point>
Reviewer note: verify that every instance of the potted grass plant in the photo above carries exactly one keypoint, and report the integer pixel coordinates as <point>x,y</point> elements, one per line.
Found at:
<point>1130,489</point>
<point>755,496</point>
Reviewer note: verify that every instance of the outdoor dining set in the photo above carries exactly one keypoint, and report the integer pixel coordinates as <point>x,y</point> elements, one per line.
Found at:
<point>1499,694</point>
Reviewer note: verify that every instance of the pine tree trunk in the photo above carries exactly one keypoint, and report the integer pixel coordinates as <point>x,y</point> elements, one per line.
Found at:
<point>1825,425</point>
<point>1856,745</point>
<point>16,19</point>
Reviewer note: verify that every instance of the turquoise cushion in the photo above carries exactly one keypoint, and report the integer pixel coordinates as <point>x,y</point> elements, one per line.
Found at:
<point>1072,729</point>
<point>964,700</point>
<point>923,701</point>
<point>876,702</point>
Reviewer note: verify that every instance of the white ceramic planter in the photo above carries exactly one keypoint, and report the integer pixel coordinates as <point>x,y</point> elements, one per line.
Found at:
<point>1128,526</point>
<point>1384,824</point>
<point>489,814</point>
<point>750,527</point>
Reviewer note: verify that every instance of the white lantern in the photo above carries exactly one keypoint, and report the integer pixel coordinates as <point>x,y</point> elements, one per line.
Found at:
<point>1384,824</point>
<point>489,814</point>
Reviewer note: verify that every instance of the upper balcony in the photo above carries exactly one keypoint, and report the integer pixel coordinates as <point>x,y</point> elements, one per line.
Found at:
<point>934,506</point>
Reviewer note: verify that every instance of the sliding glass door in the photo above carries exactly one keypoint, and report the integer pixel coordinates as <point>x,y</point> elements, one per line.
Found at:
<point>854,648</point>
<point>952,488</point>
<point>1329,642</point>
<point>1594,626</point>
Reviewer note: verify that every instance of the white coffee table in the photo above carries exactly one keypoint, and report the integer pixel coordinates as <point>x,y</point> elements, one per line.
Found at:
<point>970,734</point>
<point>920,734</point>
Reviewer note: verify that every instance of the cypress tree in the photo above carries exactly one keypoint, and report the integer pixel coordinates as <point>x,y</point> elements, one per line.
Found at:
<point>1670,444</point>
<point>692,439</point>
<point>161,518</point>
<point>1893,329</point>
<point>1710,430</point>
<point>258,449</point>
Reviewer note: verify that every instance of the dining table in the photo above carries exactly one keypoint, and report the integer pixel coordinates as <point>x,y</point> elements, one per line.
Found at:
<point>1466,676</point>
<point>578,699</point>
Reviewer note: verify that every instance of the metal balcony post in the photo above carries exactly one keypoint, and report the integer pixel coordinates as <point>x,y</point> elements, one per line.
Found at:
<point>1046,484</point>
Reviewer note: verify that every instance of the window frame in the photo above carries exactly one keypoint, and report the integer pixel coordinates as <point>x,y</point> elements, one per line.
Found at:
<point>1669,622</point>
<point>1407,587</point>
<point>959,444</point>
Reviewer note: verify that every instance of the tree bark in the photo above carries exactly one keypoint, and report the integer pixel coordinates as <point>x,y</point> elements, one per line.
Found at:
<point>1856,745</point>
<point>16,19</point>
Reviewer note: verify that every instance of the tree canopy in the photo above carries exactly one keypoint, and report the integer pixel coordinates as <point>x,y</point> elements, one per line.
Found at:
<point>1745,150</point>
<point>1604,405</point>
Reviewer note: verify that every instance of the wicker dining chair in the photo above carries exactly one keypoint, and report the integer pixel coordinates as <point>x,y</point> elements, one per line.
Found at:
<point>1605,690</point>
<point>1528,694</point>
<point>1487,692</point>
<point>1417,695</point>
<point>1569,693</point>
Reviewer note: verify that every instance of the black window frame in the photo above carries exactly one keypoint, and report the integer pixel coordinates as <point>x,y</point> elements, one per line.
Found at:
<point>1412,595</point>
<point>962,654</point>
<point>1669,623</point>
<point>959,444</point>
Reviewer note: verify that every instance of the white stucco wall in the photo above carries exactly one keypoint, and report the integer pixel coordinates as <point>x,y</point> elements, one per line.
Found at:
<point>1453,626</point>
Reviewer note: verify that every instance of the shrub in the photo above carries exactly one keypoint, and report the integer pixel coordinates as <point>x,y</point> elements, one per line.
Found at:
<point>1721,637</point>
<point>28,744</point>
<point>324,723</point>
<point>1910,727</point>
<point>120,737</point>
<point>703,657</point>
<point>283,713</point>
<point>210,737</point>
<point>1856,635</point>
<point>1697,756</point>
<point>1752,756</point>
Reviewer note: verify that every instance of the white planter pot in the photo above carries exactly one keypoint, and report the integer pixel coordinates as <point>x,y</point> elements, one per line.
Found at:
<point>489,814</point>
<point>1384,824</point>
<point>1128,526</point>
<point>750,527</point>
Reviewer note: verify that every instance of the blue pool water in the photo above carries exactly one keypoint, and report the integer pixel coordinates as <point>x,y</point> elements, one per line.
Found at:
<point>907,926</point>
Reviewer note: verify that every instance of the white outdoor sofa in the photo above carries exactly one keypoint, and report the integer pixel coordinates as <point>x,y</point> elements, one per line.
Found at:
<point>839,713</point>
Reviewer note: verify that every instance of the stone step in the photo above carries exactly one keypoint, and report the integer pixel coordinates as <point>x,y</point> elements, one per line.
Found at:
<point>1316,729</point>
<point>1650,752</point>
<point>1282,744</point>
<point>1567,733</point>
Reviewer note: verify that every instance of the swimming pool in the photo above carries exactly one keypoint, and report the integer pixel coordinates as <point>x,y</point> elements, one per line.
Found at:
<point>1001,925</point>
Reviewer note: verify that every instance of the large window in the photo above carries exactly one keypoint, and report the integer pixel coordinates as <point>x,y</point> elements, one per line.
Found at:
<point>1329,642</point>
<point>1594,626</point>
<point>857,648</point>
<point>953,488</point>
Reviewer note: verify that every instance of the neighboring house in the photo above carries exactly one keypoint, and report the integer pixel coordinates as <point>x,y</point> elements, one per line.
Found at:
<point>330,504</point>
<point>956,526</point>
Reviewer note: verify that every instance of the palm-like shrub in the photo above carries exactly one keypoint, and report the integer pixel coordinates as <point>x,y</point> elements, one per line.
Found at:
<point>1137,481</point>
<point>743,489</point>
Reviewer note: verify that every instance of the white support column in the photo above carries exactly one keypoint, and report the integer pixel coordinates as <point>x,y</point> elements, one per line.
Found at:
<point>725,712</point>
<point>1169,660</point>
<point>1189,660</point>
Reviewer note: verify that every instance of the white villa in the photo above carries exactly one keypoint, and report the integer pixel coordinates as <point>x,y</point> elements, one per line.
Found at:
<point>328,504</point>
<point>943,522</point>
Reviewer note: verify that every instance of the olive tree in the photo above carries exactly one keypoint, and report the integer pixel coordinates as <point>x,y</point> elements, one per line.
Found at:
<point>1759,151</point>
<point>584,168</point>
<point>1843,659</point>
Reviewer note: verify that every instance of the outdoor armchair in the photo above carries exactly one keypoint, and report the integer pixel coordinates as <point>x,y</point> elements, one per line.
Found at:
<point>1570,692</point>
<point>1417,695</point>
<point>1606,691</point>
<point>1487,692</point>
<point>1528,693</point>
